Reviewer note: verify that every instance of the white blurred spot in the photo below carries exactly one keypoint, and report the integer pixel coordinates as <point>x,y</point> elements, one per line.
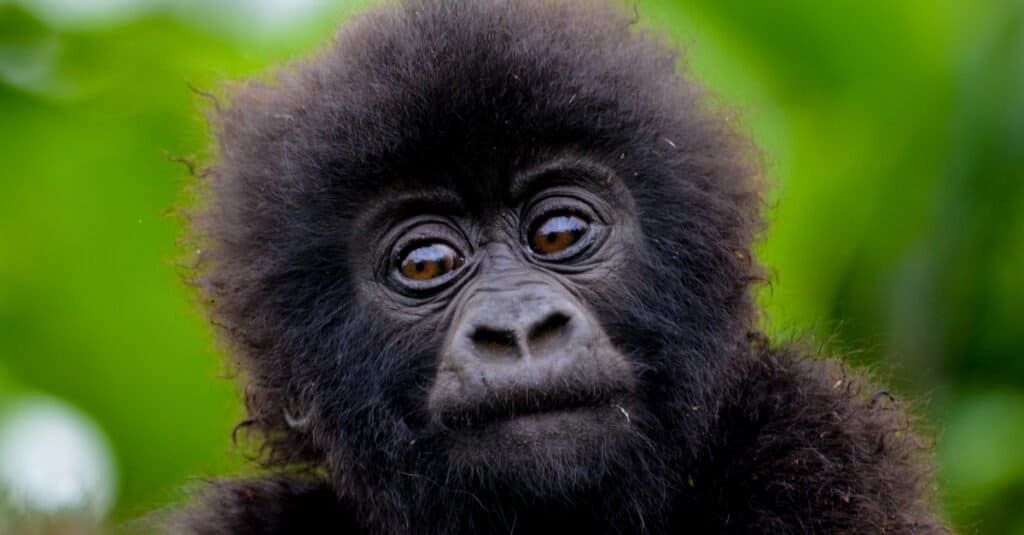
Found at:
<point>53,458</point>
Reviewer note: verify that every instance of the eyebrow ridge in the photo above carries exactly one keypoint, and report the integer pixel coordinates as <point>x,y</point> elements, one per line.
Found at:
<point>579,167</point>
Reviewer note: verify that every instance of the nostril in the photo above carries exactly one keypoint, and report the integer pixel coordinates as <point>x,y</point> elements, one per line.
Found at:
<point>494,341</point>
<point>549,329</point>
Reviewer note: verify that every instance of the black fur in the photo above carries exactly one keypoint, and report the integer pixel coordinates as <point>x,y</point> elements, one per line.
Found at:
<point>734,435</point>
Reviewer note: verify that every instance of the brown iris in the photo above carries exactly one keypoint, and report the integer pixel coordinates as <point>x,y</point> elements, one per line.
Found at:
<point>430,261</point>
<point>556,234</point>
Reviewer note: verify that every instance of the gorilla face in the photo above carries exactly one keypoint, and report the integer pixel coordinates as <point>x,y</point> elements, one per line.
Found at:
<point>525,380</point>
<point>523,334</point>
<point>481,247</point>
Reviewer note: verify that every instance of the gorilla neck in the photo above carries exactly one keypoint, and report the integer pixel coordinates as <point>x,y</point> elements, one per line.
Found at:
<point>461,512</point>
<point>638,489</point>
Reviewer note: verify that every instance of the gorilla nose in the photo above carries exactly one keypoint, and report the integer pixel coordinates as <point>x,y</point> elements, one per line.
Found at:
<point>519,350</point>
<point>522,336</point>
<point>524,331</point>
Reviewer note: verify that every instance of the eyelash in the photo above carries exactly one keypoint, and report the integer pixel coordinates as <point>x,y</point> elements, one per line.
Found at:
<point>552,206</point>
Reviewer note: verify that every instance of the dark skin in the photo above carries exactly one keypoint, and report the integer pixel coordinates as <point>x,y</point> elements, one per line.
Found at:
<point>525,371</point>
<point>487,267</point>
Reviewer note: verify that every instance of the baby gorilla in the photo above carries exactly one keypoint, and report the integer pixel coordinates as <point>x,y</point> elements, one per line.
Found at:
<point>487,268</point>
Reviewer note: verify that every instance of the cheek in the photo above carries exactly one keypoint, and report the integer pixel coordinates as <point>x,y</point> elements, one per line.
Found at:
<point>384,369</point>
<point>617,291</point>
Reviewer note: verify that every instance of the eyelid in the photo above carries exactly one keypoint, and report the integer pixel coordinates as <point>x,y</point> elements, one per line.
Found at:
<point>451,260</point>
<point>558,203</point>
<point>415,233</point>
<point>413,244</point>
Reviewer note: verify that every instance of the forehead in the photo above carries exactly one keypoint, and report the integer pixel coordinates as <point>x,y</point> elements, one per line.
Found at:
<point>473,113</point>
<point>462,192</point>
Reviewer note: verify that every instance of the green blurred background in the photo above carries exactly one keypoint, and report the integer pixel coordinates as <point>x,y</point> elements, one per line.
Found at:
<point>893,131</point>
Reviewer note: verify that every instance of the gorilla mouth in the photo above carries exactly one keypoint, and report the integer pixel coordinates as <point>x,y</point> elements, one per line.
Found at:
<point>525,403</point>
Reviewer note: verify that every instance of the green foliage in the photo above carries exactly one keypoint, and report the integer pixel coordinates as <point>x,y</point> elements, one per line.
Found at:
<point>893,132</point>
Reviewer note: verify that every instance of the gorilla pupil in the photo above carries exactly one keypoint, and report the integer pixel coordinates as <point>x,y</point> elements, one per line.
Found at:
<point>557,234</point>
<point>430,262</point>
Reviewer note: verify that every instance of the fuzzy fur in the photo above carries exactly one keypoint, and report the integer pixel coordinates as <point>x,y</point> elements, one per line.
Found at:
<point>735,435</point>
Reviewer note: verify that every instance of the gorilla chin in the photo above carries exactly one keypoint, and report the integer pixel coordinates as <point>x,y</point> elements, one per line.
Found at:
<point>546,453</point>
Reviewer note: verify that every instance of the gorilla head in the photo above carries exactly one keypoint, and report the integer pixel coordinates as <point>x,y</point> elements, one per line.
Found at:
<point>479,257</point>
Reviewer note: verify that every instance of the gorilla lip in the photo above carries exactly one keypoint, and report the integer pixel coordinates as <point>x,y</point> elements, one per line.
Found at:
<point>525,403</point>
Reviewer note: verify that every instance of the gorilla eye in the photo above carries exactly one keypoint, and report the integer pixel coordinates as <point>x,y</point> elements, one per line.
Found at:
<point>430,261</point>
<point>557,233</point>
